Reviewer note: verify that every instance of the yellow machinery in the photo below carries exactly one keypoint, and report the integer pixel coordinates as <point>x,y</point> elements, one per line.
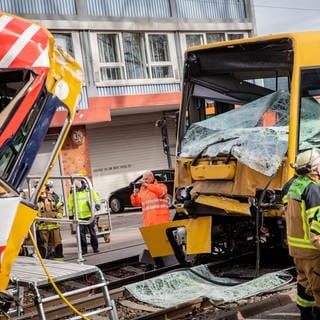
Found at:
<point>248,107</point>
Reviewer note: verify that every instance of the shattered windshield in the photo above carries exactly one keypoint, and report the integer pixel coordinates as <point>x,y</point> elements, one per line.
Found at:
<point>256,134</point>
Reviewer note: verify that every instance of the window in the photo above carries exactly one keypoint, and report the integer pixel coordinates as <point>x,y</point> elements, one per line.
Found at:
<point>309,133</point>
<point>134,56</point>
<point>111,67</point>
<point>14,85</point>
<point>215,37</point>
<point>195,39</point>
<point>160,64</point>
<point>64,40</point>
<point>235,36</point>
<point>134,47</point>
<point>70,43</point>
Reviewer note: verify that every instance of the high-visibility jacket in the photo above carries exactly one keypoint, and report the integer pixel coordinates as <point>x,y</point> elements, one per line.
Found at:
<point>285,190</point>
<point>154,202</point>
<point>302,218</point>
<point>47,209</point>
<point>83,203</point>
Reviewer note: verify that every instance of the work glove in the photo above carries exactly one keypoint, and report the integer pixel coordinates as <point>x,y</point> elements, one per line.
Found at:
<point>97,206</point>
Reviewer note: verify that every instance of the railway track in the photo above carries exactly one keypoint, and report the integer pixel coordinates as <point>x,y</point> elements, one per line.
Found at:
<point>201,308</point>
<point>129,271</point>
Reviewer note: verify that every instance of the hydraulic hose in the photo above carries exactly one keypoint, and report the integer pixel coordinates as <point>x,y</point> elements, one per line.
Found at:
<point>259,223</point>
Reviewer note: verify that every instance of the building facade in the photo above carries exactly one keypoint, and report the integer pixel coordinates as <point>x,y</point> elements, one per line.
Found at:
<point>132,53</point>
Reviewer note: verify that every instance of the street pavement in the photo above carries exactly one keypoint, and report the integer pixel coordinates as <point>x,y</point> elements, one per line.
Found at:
<point>125,239</point>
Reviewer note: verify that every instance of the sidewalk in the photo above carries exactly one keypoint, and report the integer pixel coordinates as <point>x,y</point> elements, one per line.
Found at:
<point>124,242</point>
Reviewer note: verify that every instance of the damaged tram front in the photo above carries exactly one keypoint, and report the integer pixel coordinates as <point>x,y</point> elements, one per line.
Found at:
<point>248,107</point>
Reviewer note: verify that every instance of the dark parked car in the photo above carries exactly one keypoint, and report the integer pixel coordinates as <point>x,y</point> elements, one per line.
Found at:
<point>120,198</point>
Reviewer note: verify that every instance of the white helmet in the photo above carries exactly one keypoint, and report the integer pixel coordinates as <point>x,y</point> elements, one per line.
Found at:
<point>49,184</point>
<point>307,161</point>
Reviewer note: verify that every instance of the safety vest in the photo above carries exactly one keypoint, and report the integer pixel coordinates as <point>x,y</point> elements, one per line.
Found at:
<point>299,220</point>
<point>285,190</point>
<point>83,203</point>
<point>47,209</point>
<point>154,202</point>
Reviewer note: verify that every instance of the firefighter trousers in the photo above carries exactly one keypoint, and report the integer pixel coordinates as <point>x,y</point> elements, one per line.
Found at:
<point>50,244</point>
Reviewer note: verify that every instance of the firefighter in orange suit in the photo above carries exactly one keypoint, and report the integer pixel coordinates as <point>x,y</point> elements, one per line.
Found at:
<point>48,233</point>
<point>303,231</point>
<point>153,198</point>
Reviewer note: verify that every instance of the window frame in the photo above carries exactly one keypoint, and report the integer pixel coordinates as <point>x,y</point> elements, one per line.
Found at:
<point>183,35</point>
<point>75,41</point>
<point>201,34</point>
<point>120,64</point>
<point>227,34</point>
<point>314,93</point>
<point>149,64</point>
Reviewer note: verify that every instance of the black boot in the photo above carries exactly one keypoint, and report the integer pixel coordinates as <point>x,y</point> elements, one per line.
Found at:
<point>316,313</point>
<point>306,313</point>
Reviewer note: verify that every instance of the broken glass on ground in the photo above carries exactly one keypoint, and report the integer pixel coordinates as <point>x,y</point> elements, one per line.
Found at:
<point>181,286</point>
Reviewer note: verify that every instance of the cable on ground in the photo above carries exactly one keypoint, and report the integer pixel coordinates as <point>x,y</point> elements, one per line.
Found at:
<point>63,298</point>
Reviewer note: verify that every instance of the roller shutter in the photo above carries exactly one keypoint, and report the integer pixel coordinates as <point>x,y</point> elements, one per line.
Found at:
<point>124,149</point>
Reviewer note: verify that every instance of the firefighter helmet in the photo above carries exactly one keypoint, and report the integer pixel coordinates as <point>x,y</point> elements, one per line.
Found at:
<point>49,184</point>
<point>307,161</point>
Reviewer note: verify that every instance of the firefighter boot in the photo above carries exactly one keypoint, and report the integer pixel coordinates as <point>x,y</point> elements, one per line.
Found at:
<point>306,313</point>
<point>58,253</point>
<point>316,313</point>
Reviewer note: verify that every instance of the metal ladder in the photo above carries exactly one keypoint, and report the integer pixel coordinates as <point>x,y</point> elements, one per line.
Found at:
<point>27,272</point>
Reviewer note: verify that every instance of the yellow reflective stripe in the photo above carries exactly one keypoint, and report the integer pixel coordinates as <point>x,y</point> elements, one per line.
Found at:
<point>311,212</point>
<point>315,225</point>
<point>309,216</point>
<point>80,212</point>
<point>300,243</point>
<point>82,197</point>
<point>305,303</point>
<point>285,199</point>
<point>314,208</point>
<point>46,226</point>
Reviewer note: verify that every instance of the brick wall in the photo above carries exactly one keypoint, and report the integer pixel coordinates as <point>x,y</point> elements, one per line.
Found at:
<point>75,153</point>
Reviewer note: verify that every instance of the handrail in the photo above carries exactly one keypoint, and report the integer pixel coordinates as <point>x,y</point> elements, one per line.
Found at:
<point>75,219</point>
